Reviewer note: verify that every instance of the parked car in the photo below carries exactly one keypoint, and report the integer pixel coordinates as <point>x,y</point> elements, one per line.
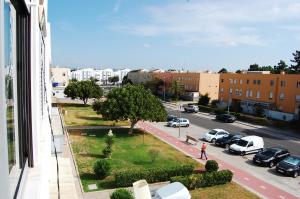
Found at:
<point>179,122</point>
<point>226,141</point>
<point>248,144</point>
<point>226,117</point>
<point>171,118</point>
<point>191,108</point>
<point>271,156</point>
<point>214,134</point>
<point>290,166</point>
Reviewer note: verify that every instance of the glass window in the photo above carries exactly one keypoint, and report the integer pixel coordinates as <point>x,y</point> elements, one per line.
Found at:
<point>254,81</point>
<point>230,90</point>
<point>281,96</point>
<point>258,82</point>
<point>298,84</point>
<point>271,95</point>
<point>247,81</point>
<point>9,83</point>
<point>282,83</point>
<point>241,81</point>
<point>257,94</point>
<point>272,82</point>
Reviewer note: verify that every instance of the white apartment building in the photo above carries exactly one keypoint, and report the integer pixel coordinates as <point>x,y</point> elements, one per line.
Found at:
<point>101,75</point>
<point>25,94</point>
<point>60,76</point>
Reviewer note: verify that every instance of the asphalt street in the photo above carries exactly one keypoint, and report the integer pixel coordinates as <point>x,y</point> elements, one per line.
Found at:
<point>270,139</point>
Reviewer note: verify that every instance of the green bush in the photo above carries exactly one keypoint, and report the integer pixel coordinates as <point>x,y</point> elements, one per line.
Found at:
<point>215,178</point>
<point>121,194</point>
<point>211,165</point>
<point>205,108</point>
<point>206,179</point>
<point>109,140</point>
<point>219,111</point>
<point>126,178</point>
<point>189,182</point>
<point>107,151</point>
<point>102,168</point>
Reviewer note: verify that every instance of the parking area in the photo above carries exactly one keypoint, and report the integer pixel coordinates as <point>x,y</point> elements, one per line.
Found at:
<point>288,184</point>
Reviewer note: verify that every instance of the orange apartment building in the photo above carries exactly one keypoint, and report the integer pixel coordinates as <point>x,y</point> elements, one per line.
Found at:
<point>198,82</point>
<point>277,92</point>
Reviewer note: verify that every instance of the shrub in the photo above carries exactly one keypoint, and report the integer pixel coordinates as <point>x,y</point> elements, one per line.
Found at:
<point>189,182</point>
<point>219,111</point>
<point>109,140</point>
<point>102,168</point>
<point>211,165</point>
<point>107,151</point>
<point>121,194</point>
<point>153,153</point>
<point>206,179</point>
<point>205,108</point>
<point>126,178</point>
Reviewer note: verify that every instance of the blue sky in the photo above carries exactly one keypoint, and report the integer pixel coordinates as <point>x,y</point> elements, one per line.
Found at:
<point>188,34</point>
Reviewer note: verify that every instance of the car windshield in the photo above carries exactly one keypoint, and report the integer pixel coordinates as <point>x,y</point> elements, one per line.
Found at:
<point>212,132</point>
<point>236,136</point>
<point>242,143</point>
<point>292,160</point>
<point>268,152</point>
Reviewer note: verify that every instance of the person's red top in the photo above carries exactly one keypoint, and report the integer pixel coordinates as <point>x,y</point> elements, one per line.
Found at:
<point>203,148</point>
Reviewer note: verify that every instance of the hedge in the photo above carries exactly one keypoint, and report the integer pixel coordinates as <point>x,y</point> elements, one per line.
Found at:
<point>206,179</point>
<point>206,108</point>
<point>126,178</point>
<point>121,194</point>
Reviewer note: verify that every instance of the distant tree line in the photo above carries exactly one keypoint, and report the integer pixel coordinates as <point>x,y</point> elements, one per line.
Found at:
<point>294,68</point>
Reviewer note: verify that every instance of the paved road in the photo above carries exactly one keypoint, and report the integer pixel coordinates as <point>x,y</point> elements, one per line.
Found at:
<point>270,139</point>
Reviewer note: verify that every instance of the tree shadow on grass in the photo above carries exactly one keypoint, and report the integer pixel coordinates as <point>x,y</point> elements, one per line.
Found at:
<point>88,176</point>
<point>142,162</point>
<point>90,118</point>
<point>90,155</point>
<point>108,183</point>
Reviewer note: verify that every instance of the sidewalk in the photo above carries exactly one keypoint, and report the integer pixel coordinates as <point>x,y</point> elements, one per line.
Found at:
<point>262,188</point>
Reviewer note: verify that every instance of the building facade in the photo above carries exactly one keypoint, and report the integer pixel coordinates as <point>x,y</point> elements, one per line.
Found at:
<point>103,76</point>
<point>60,76</point>
<point>276,92</point>
<point>25,91</point>
<point>191,82</point>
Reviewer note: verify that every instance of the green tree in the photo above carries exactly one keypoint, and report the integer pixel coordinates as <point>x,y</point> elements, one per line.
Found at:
<point>133,103</point>
<point>223,70</point>
<point>176,89</point>
<point>154,85</point>
<point>238,71</point>
<point>254,67</point>
<point>72,89</point>
<point>296,67</point>
<point>83,90</point>
<point>126,80</point>
<point>281,66</point>
<point>113,79</point>
<point>204,100</point>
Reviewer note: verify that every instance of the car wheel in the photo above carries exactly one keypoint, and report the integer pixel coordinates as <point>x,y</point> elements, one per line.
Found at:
<point>227,146</point>
<point>187,125</point>
<point>271,164</point>
<point>174,126</point>
<point>213,141</point>
<point>295,174</point>
<point>243,153</point>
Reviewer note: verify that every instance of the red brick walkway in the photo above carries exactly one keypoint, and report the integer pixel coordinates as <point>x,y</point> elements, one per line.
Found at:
<point>263,188</point>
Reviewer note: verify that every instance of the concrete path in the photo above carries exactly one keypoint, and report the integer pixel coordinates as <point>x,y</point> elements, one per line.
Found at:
<point>262,188</point>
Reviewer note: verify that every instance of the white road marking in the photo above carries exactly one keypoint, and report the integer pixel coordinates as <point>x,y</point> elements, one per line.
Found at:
<point>263,187</point>
<point>246,179</point>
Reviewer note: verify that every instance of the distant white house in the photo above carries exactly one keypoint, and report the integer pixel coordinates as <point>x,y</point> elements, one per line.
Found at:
<point>102,75</point>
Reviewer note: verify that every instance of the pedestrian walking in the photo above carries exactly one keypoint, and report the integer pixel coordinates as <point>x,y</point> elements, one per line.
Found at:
<point>203,151</point>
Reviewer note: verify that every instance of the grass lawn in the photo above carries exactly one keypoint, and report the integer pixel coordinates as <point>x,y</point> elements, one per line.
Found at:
<point>128,152</point>
<point>227,191</point>
<point>84,115</point>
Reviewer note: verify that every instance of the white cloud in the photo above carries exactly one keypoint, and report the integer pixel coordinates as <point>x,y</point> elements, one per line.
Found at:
<point>223,22</point>
<point>147,45</point>
<point>117,6</point>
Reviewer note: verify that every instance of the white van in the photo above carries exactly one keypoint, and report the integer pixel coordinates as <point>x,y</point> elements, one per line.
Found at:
<point>248,144</point>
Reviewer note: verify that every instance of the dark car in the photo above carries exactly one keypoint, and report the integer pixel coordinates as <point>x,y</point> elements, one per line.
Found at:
<point>290,166</point>
<point>171,118</point>
<point>226,141</point>
<point>271,156</point>
<point>226,117</point>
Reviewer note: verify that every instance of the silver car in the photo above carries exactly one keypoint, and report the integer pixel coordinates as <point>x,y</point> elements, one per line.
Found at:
<point>182,122</point>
